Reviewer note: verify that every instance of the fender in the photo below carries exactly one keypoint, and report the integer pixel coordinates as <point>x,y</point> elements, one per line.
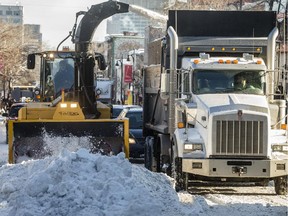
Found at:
<point>165,143</point>
<point>191,135</point>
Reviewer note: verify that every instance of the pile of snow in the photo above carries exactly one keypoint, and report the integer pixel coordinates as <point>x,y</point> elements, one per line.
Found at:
<point>81,183</point>
<point>78,183</point>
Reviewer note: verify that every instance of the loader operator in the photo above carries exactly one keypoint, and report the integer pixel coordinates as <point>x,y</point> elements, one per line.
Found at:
<point>64,78</point>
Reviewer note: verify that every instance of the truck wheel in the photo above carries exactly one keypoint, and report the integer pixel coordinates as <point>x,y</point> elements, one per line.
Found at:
<point>280,184</point>
<point>148,153</point>
<point>176,170</point>
<point>181,182</point>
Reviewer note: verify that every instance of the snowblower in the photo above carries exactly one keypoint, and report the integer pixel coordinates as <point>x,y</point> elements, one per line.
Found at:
<point>69,113</point>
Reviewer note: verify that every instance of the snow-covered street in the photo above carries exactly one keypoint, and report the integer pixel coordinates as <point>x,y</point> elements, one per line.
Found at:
<point>79,183</point>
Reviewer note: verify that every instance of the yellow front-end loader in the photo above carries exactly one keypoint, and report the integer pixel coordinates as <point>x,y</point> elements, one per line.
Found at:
<point>68,114</point>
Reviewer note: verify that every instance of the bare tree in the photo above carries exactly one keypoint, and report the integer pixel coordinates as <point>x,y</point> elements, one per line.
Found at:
<point>127,46</point>
<point>13,54</point>
<point>221,5</point>
<point>201,5</point>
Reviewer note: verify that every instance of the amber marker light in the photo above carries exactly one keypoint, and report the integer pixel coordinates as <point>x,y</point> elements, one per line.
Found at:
<point>180,125</point>
<point>196,61</point>
<point>283,126</point>
<point>259,62</point>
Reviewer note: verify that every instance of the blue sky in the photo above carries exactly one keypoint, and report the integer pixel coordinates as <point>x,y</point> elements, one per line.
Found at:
<point>56,17</point>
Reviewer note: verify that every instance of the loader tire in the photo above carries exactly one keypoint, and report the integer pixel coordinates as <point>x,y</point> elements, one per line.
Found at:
<point>280,184</point>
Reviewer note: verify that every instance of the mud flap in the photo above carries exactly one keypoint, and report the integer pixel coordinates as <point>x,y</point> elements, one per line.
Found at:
<point>37,139</point>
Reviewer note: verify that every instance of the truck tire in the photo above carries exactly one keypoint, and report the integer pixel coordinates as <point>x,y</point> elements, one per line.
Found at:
<point>280,184</point>
<point>181,179</point>
<point>181,183</point>
<point>148,152</point>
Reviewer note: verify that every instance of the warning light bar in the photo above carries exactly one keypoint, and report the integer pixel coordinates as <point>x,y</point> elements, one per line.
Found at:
<point>210,49</point>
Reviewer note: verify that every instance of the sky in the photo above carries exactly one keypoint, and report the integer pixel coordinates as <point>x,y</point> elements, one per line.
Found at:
<point>56,17</point>
<point>77,183</point>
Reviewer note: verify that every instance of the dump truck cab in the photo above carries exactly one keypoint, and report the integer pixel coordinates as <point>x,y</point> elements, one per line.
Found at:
<point>210,111</point>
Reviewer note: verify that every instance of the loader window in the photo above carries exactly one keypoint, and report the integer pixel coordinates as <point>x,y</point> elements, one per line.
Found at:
<point>238,82</point>
<point>59,74</point>
<point>64,76</point>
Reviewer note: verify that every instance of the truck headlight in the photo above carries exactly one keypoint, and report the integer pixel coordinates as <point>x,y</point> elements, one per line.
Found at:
<point>193,147</point>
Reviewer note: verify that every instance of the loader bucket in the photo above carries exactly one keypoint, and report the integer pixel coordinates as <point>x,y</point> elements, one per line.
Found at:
<point>35,139</point>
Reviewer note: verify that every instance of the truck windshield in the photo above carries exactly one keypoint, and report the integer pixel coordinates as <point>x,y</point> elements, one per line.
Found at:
<point>215,81</point>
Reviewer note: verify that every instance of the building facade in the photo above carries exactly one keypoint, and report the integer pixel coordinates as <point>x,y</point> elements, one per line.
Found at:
<point>11,14</point>
<point>32,37</point>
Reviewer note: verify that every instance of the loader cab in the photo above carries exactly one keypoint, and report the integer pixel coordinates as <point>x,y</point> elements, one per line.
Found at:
<point>57,71</point>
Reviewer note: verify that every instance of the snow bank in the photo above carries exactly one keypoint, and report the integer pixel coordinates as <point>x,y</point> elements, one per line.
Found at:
<point>80,183</point>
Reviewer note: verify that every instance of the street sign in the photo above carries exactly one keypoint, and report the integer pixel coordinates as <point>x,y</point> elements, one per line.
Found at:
<point>128,74</point>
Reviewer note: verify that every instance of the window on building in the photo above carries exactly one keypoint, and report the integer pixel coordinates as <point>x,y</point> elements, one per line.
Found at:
<point>8,12</point>
<point>1,12</point>
<point>16,13</point>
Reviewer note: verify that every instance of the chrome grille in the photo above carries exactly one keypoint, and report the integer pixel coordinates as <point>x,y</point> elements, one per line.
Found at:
<point>239,137</point>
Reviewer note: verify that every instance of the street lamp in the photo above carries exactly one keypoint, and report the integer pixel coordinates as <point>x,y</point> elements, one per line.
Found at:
<point>121,78</point>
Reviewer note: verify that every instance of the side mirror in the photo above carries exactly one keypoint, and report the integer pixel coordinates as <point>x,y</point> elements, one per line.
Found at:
<point>5,114</point>
<point>31,61</point>
<point>101,61</point>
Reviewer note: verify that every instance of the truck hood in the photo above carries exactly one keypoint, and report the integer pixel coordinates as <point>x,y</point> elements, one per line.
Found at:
<point>224,102</point>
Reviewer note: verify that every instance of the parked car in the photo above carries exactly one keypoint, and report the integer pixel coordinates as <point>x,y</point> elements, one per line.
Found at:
<point>134,114</point>
<point>13,111</point>
<point>117,109</point>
